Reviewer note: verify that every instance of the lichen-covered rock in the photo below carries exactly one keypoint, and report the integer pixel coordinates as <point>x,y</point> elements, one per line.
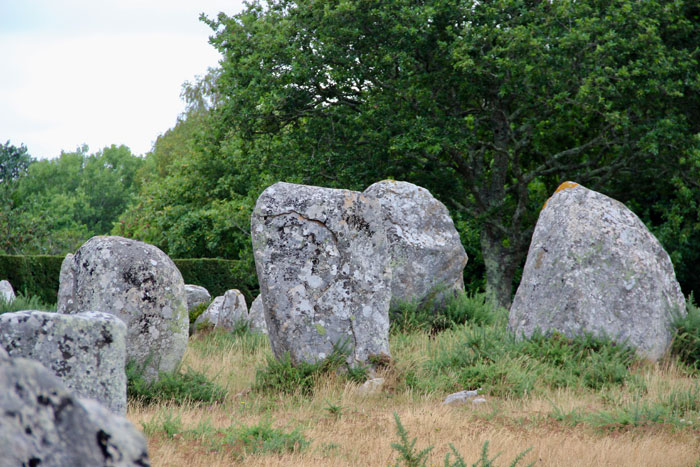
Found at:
<point>87,351</point>
<point>323,265</point>
<point>427,256</point>
<point>196,295</point>
<point>256,316</point>
<point>594,267</point>
<point>43,423</point>
<point>139,284</point>
<point>7,293</point>
<point>225,311</point>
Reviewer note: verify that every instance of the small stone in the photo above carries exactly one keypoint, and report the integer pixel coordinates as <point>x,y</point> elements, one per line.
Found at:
<point>7,293</point>
<point>478,401</point>
<point>256,316</point>
<point>461,397</point>
<point>371,386</point>
<point>196,295</point>
<point>225,311</point>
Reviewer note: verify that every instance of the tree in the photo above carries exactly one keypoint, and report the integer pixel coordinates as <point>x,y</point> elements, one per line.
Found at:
<point>490,105</point>
<point>14,162</point>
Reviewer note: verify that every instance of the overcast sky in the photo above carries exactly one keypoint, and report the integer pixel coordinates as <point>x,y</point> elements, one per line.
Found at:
<point>99,72</point>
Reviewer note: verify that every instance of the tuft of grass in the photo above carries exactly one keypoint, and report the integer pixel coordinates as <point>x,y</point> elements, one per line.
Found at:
<point>686,339</point>
<point>263,438</point>
<point>287,377</point>
<point>24,302</point>
<point>177,387</point>
<point>198,310</point>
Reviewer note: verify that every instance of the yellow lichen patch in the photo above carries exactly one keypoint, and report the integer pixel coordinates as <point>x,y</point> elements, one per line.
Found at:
<point>561,187</point>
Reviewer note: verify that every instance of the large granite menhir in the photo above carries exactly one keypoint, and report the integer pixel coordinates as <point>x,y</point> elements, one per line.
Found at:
<point>322,260</point>
<point>44,424</point>
<point>87,351</point>
<point>427,256</point>
<point>137,283</point>
<point>594,267</point>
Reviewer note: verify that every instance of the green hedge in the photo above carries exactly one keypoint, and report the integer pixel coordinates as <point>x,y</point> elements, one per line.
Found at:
<point>38,275</point>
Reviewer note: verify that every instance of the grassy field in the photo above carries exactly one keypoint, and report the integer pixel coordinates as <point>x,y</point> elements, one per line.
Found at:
<point>559,401</point>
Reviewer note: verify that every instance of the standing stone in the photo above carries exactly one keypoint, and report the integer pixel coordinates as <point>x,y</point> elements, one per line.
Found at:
<point>196,295</point>
<point>427,256</point>
<point>43,424</point>
<point>594,267</point>
<point>139,284</point>
<point>225,311</point>
<point>66,283</point>
<point>7,294</point>
<point>256,316</point>
<point>86,351</point>
<point>322,260</point>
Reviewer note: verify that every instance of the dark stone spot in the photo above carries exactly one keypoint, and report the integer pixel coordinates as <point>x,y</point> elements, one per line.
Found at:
<point>28,430</point>
<point>359,224</point>
<point>107,339</point>
<point>65,347</point>
<point>43,400</point>
<point>33,462</point>
<point>103,443</point>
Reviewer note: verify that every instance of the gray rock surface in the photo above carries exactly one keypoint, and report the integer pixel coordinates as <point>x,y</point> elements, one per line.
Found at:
<point>7,293</point>
<point>461,397</point>
<point>86,351</point>
<point>427,256</point>
<point>196,295</point>
<point>225,311</point>
<point>256,316</point>
<point>139,284</point>
<point>594,267</point>
<point>43,424</point>
<point>323,265</point>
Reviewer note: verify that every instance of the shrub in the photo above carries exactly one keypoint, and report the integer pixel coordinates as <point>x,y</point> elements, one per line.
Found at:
<point>287,377</point>
<point>33,275</point>
<point>198,310</point>
<point>176,387</point>
<point>686,339</point>
<point>453,311</point>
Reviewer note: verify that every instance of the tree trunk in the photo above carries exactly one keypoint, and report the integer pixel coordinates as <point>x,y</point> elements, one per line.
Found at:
<point>501,264</point>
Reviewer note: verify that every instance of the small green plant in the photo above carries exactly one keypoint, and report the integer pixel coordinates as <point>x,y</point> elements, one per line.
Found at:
<point>686,339</point>
<point>24,302</point>
<point>409,456</point>
<point>263,438</point>
<point>334,410</point>
<point>176,387</point>
<point>198,310</point>
<point>167,423</point>
<point>289,377</point>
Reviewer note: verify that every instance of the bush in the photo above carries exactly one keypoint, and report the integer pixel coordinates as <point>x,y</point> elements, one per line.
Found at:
<point>176,387</point>
<point>33,275</point>
<point>686,339</point>
<point>287,377</point>
<point>218,276</point>
<point>453,311</point>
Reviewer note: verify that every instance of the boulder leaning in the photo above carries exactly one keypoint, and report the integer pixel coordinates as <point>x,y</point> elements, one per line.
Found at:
<point>87,351</point>
<point>42,423</point>
<point>594,267</point>
<point>322,260</point>
<point>427,256</point>
<point>137,283</point>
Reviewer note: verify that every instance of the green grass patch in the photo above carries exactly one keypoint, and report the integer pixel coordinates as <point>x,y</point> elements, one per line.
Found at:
<point>686,340</point>
<point>24,302</point>
<point>287,377</point>
<point>180,388</point>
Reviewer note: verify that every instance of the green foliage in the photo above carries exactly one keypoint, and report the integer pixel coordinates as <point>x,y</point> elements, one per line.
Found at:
<point>220,340</point>
<point>288,377</point>
<point>33,275</point>
<point>410,457</point>
<point>490,357</point>
<point>262,438</point>
<point>176,387</point>
<point>686,340</point>
<point>24,302</point>
<point>198,310</point>
<point>453,311</point>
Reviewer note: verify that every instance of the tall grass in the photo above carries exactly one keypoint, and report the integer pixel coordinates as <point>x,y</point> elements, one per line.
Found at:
<point>23,302</point>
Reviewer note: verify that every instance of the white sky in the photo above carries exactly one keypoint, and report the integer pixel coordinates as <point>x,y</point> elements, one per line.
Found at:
<point>99,72</point>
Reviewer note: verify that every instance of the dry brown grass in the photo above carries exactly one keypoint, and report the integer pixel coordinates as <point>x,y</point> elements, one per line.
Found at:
<point>363,433</point>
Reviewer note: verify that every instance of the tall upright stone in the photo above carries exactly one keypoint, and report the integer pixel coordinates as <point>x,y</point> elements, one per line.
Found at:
<point>427,256</point>
<point>322,260</point>
<point>256,316</point>
<point>594,267</point>
<point>7,293</point>
<point>137,283</point>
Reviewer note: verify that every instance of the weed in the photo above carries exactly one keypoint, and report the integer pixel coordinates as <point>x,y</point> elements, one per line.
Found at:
<point>686,340</point>
<point>24,302</point>
<point>263,438</point>
<point>334,410</point>
<point>289,377</point>
<point>177,387</point>
<point>198,310</point>
<point>166,423</point>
